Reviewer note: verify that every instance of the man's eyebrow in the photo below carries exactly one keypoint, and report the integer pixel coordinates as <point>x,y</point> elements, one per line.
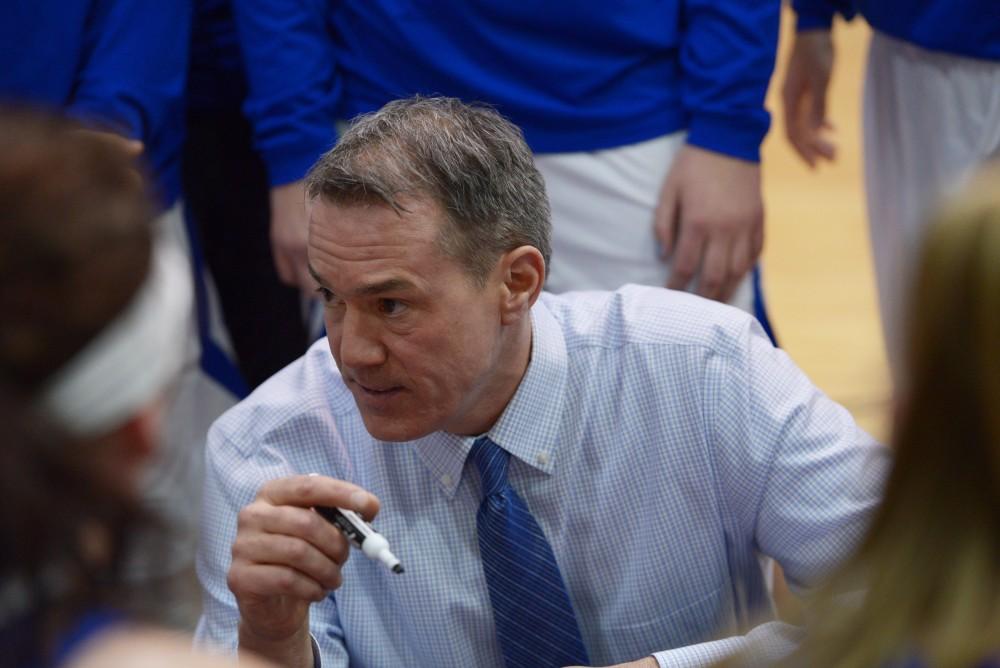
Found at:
<point>388,285</point>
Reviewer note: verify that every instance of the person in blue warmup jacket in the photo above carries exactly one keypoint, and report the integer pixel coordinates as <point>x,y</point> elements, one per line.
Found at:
<point>113,65</point>
<point>226,193</point>
<point>931,115</point>
<point>120,67</point>
<point>646,118</point>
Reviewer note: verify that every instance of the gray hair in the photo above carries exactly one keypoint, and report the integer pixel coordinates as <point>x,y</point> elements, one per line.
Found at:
<point>466,158</point>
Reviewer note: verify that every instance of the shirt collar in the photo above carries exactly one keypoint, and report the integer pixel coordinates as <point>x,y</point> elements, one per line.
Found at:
<point>529,426</point>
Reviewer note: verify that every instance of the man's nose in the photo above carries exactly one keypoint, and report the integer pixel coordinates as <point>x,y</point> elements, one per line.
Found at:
<point>360,341</point>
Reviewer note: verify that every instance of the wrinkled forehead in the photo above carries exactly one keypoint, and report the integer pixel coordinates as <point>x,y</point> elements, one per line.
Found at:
<point>349,244</point>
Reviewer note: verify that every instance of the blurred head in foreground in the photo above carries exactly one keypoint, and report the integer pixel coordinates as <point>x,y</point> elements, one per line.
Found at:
<point>925,585</point>
<point>91,323</point>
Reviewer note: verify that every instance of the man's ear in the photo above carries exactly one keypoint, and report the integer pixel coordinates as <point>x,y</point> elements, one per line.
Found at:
<point>523,273</point>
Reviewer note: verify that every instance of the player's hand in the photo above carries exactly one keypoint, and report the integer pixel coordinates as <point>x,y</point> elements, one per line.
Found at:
<point>132,148</point>
<point>648,662</point>
<point>803,96</point>
<point>710,221</point>
<point>286,557</point>
<point>289,233</point>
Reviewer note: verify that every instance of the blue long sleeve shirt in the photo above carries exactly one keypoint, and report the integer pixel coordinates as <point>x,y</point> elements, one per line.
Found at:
<point>962,27</point>
<point>117,64</point>
<point>574,76</point>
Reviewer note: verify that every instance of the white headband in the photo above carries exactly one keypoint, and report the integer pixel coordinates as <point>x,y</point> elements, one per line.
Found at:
<point>133,359</point>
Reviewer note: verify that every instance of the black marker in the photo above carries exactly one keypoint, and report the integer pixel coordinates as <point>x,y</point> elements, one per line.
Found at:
<point>361,535</point>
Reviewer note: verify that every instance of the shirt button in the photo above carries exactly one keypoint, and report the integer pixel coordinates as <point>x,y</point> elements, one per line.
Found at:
<point>446,480</point>
<point>543,458</point>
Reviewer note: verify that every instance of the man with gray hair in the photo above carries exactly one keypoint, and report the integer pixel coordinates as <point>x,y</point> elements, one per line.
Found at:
<point>583,479</point>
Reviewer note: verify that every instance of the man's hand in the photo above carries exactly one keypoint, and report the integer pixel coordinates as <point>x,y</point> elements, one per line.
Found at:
<point>648,662</point>
<point>710,221</point>
<point>289,233</point>
<point>804,96</point>
<point>286,557</point>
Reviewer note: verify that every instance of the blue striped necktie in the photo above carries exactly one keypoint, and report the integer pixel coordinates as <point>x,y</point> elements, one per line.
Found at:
<point>534,619</point>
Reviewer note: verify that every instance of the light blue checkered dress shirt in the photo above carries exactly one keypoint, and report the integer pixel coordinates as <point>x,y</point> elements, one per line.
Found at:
<point>660,441</point>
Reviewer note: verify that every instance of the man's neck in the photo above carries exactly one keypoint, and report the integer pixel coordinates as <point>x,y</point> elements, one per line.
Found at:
<point>492,398</point>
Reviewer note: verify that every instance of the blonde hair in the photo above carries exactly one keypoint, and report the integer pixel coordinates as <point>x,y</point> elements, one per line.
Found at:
<point>926,581</point>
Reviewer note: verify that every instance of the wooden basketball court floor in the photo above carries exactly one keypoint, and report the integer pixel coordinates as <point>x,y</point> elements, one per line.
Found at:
<point>818,277</point>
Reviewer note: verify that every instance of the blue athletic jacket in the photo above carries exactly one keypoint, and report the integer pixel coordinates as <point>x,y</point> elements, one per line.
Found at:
<point>961,27</point>
<point>573,74</point>
<point>118,64</point>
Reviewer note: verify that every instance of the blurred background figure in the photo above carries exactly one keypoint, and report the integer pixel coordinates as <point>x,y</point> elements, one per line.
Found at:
<point>646,119</point>
<point>92,343</point>
<point>120,66</point>
<point>924,588</point>
<point>931,114</point>
<point>226,195</point>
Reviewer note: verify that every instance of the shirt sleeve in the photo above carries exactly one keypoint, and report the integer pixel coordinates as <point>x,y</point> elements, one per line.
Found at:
<point>763,646</point>
<point>818,476</point>
<point>818,14</point>
<point>727,56</point>
<point>134,66</point>
<point>227,490</point>
<point>798,480</point>
<point>232,482</point>
<point>290,63</point>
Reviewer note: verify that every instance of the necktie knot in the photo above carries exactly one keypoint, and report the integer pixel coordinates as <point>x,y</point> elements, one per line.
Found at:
<point>492,461</point>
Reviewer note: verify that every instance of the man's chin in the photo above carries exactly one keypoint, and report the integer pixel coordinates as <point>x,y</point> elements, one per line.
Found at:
<point>384,428</point>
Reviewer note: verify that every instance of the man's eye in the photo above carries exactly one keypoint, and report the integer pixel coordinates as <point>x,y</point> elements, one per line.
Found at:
<point>390,306</point>
<point>326,295</point>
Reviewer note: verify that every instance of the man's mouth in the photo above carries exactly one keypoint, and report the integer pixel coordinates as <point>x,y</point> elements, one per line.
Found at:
<point>378,390</point>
